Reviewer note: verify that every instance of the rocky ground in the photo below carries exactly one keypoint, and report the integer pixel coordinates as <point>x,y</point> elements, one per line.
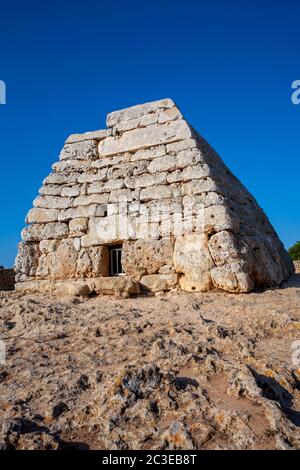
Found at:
<point>176,371</point>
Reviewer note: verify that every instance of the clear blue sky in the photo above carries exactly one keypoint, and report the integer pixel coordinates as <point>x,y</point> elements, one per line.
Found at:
<point>228,64</point>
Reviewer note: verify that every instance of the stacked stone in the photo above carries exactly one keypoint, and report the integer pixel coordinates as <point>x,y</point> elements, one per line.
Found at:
<point>152,160</point>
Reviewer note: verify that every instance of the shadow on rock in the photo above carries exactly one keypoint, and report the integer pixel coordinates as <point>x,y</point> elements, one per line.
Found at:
<point>272,390</point>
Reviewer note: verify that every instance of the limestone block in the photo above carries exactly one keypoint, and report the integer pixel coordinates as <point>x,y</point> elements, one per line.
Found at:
<point>102,230</point>
<point>141,121</point>
<point>46,246</point>
<point>51,190</point>
<point>223,247</point>
<point>134,112</point>
<point>78,212</point>
<point>40,216</point>
<point>218,218</point>
<point>199,186</point>
<point>84,150</point>
<point>146,180</point>
<point>68,166</point>
<point>61,178</point>
<point>204,199</point>
<point>105,187</point>
<point>165,163</point>
<point>72,191</point>
<point>232,277</point>
<point>52,202</point>
<point>93,175</point>
<point>167,269</point>
<point>106,162</point>
<point>145,137</point>
<point>63,288</point>
<point>169,115</point>
<point>189,157</point>
<point>176,147</point>
<point>93,262</point>
<point>86,200</point>
<point>159,192</point>
<point>192,258</point>
<point>27,258</point>
<point>62,261</point>
<point>52,230</point>
<point>92,135</point>
<point>124,195</point>
<point>78,227</point>
<point>158,282</point>
<point>128,169</point>
<point>146,256</point>
<point>189,173</point>
<point>149,153</point>
<point>72,288</point>
<point>120,285</point>
<point>156,192</point>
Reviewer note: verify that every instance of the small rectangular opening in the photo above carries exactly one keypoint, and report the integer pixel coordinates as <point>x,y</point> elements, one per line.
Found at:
<point>115,258</point>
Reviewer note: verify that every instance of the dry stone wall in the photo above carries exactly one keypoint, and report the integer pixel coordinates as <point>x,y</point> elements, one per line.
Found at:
<point>151,183</point>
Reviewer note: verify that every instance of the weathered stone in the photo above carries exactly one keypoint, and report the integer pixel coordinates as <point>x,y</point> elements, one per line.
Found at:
<point>40,216</point>
<point>159,192</point>
<point>61,178</point>
<point>128,169</point>
<point>136,111</point>
<point>93,262</point>
<point>69,166</point>
<point>52,230</point>
<point>63,288</point>
<point>78,227</point>
<point>71,191</point>
<point>146,256</point>
<point>110,161</point>
<point>59,263</point>
<point>145,180</point>
<point>189,173</point>
<point>102,230</point>
<point>203,185</point>
<point>175,147</point>
<point>101,187</point>
<point>78,212</point>
<point>87,200</point>
<point>141,121</point>
<point>232,277</point>
<point>145,137</point>
<point>124,195</point>
<point>192,258</point>
<point>84,150</point>
<point>92,175</point>
<point>159,282</point>
<point>120,285</point>
<point>51,190</point>
<point>52,202</point>
<point>93,135</point>
<point>169,115</point>
<point>149,153</point>
<point>27,258</point>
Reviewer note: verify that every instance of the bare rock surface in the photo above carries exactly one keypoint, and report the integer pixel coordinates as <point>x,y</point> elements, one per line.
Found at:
<point>209,370</point>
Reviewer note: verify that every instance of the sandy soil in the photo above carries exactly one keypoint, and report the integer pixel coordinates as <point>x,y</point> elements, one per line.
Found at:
<point>176,371</point>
